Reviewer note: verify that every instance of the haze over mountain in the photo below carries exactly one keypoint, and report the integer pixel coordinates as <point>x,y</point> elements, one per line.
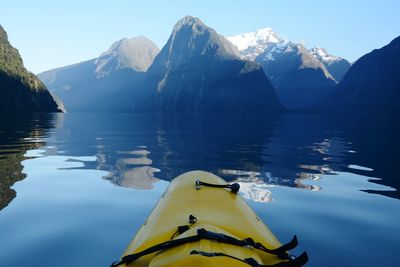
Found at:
<point>197,71</point>
<point>371,85</point>
<point>20,90</point>
<point>300,76</point>
<point>136,53</point>
<point>100,84</point>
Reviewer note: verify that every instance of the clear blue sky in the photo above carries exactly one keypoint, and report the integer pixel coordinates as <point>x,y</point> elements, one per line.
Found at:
<point>54,33</point>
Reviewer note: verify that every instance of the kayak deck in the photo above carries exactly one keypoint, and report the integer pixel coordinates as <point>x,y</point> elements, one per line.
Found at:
<point>217,210</point>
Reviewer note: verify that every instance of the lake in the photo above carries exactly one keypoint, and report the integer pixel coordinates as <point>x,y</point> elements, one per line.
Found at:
<point>75,188</point>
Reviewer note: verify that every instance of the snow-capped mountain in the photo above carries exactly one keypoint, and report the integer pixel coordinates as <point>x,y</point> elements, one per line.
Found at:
<point>300,76</point>
<point>251,44</point>
<point>323,55</point>
<point>336,66</point>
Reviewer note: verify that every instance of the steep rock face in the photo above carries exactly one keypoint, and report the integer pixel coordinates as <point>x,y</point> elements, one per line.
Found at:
<point>199,70</point>
<point>372,84</point>
<point>336,66</point>
<point>105,83</point>
<point>20,90</point>
<point>299,78</point>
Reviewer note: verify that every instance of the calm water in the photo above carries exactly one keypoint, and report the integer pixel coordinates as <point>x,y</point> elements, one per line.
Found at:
<point>75,188</point>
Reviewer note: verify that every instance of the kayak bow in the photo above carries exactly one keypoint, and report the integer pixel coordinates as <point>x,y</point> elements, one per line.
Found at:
<point>201,221</point>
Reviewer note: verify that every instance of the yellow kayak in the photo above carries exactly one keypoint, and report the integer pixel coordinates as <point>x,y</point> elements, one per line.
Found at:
<point>202,221</point>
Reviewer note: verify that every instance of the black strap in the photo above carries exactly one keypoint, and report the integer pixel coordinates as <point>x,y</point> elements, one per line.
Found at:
<point>162,246</point>
<point>183,228</point>
<point>208,235</point>
<point>296,262</point>
<point>233,187</point>
<point>280,251</point>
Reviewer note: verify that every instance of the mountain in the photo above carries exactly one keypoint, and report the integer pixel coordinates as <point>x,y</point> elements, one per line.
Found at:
<point>197,71</point>
<point>372,84</point>
<point>336,66</point>
<point>103,83</point>
<point>136,53</point>
<point>20,90</point>
<point>200,71</point>
<point>300,78</point>
<point>252,44</point>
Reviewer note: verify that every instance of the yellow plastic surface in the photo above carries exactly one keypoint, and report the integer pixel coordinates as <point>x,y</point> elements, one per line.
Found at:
<point>217,210</point>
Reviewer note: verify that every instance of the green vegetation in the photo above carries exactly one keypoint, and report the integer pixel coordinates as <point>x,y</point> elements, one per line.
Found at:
<point>12,65</point>
<point>20,89</point>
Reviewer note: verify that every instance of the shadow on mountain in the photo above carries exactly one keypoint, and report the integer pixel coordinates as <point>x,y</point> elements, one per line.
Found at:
<point>17,135</point>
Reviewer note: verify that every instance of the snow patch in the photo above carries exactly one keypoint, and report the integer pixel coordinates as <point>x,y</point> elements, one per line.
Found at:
<point>322,55</point>
<point>251,44</point>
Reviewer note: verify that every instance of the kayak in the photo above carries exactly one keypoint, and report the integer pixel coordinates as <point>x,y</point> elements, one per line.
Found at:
<point>200,220</point>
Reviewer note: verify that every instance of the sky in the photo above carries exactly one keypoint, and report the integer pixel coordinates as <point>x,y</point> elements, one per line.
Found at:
<point>52,34</point>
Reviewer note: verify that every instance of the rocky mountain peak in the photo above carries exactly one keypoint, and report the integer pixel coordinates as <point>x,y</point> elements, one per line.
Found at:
<point>266,45</point>
<point>191,39</point>
<point>336,66</point>
<point>199,70</point>
<point>321,54</point>
<point>136,53</point>
<point>188,21</point>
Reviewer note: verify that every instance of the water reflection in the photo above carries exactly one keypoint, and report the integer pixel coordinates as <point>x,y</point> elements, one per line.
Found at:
<point>133,172</point>
<point>18,135</point>
<point>374,147</point>
<point>137,151</point>
<point>290,150</point>
<point>258,192</point>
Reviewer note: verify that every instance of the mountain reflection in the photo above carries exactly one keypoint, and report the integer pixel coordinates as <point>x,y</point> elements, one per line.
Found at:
<point>136,151</point>
<point>18,135</point>
<point>126,172</point>
<point>258,152</point>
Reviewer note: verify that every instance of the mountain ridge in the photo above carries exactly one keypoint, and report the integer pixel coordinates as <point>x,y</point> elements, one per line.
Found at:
<point>98,84</point>
<point>336,66</point>
<point>21,90</point>
<point>196,71</point>
<point>300,78</point>
<point>253,44</point>
<point>136,53</point>
<point>372,84</point>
